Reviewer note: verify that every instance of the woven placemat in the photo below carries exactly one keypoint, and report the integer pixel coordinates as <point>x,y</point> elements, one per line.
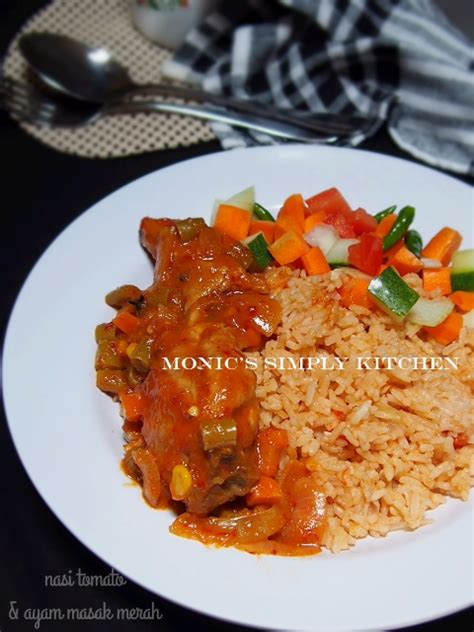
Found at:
<point>108,23</point>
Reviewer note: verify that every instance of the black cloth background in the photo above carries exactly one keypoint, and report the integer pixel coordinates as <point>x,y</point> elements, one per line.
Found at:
<point>42,191</point>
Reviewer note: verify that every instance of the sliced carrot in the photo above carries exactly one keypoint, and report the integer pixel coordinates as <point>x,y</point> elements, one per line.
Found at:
<point>391,252</point>
<point>288,223</point>
<point>266,492</point>
<point>292,213</point>
<point>448,330</point>
<point>126,322</point>
<point>232,221</point>
<point>442,246</point>
<point>312,220</point>
<point>437,279</point>
<point>261,226</point>
<point>463,300</point>
<point>270,443</point>
<point>385,225</point>
<point>315,262</point>
<point>289,247</point>
<point>405,261</point>
<point>132,406</point>
<point>354,292</point>
<point>279,231</point>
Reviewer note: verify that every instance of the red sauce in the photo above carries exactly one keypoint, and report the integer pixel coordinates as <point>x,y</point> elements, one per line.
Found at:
<point>198,420</point>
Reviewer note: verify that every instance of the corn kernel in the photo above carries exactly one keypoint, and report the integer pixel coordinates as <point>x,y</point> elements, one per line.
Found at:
<point>180,482</point>
<point>131,348</point>
<point>193,411</point>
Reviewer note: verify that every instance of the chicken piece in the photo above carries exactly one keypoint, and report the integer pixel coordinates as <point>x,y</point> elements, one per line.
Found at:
<point>183,403</point>
<point>204,417</point>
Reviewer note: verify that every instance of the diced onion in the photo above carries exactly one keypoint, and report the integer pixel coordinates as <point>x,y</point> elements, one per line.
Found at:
<point>469,319</point>
<point>339,252</point>
<point>352,272</point>
<point>253,526</point>
<point>323,236</point>
<point>430,263</point>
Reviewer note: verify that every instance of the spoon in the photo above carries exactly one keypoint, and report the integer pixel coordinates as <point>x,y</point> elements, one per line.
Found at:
<point>26,102</point>
<point>91,74</point>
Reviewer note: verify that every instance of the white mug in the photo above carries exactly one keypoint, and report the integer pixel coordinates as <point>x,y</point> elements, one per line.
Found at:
<point>167,22</point>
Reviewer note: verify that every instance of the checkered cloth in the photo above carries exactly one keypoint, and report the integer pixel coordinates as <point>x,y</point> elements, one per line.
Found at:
<point>398,61</point>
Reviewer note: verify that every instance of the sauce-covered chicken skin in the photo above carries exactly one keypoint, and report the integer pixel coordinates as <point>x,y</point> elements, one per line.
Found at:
<point>174,357</point>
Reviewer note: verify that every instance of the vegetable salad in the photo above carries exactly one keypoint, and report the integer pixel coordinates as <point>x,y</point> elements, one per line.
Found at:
<point>324,232</point>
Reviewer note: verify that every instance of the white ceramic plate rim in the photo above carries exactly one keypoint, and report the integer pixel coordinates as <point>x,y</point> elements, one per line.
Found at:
<point>323,593</point>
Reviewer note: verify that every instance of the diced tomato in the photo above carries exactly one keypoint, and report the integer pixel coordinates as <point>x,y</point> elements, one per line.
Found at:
<point>460,440</point>
<point>362,222</point>
<point>329,200</point>
<point>367,254</point>
<point>342,224</point>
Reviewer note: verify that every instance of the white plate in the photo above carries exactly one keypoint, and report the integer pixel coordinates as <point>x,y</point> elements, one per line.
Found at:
<point>69,438</point>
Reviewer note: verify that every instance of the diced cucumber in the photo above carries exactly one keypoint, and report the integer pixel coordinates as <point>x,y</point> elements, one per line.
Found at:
<point>392,294</point>
<point>462,273</point>
<point>243,199</point>
<point>338,254</point>
<point>323,236</point>
<point>469,319</point>
<point>258,246</point>
<point>430,312</point>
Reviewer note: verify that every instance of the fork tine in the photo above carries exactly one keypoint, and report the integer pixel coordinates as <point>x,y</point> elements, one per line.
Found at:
<point>24,102</point>
<point>22,111</point>
<point>13,90</point>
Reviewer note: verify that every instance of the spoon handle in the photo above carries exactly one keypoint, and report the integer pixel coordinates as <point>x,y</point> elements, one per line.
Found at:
<point>243,120</point>
<point>321,122</point>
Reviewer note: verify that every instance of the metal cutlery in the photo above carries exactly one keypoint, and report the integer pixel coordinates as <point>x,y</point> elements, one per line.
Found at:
<point>89,74</point>
<point>28,103</point>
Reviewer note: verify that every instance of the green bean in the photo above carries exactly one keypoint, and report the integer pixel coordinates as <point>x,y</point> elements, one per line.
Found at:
<point>388,211</point>
<point>414,242</point>
<point>124,294</point>
<point>190,228</point>
<point>400,227</point>
<point>111,381</point>
<point>241,253</point>
<point>134,377</point>
<point>108,356</point>
<point>140,357</point>
<point>217,433</point>
<point>261,212</point>
<point>105,331</point>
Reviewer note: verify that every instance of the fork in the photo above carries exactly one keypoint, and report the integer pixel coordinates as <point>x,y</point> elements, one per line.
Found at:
<point>27,103</point>
<point>324,122</point>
